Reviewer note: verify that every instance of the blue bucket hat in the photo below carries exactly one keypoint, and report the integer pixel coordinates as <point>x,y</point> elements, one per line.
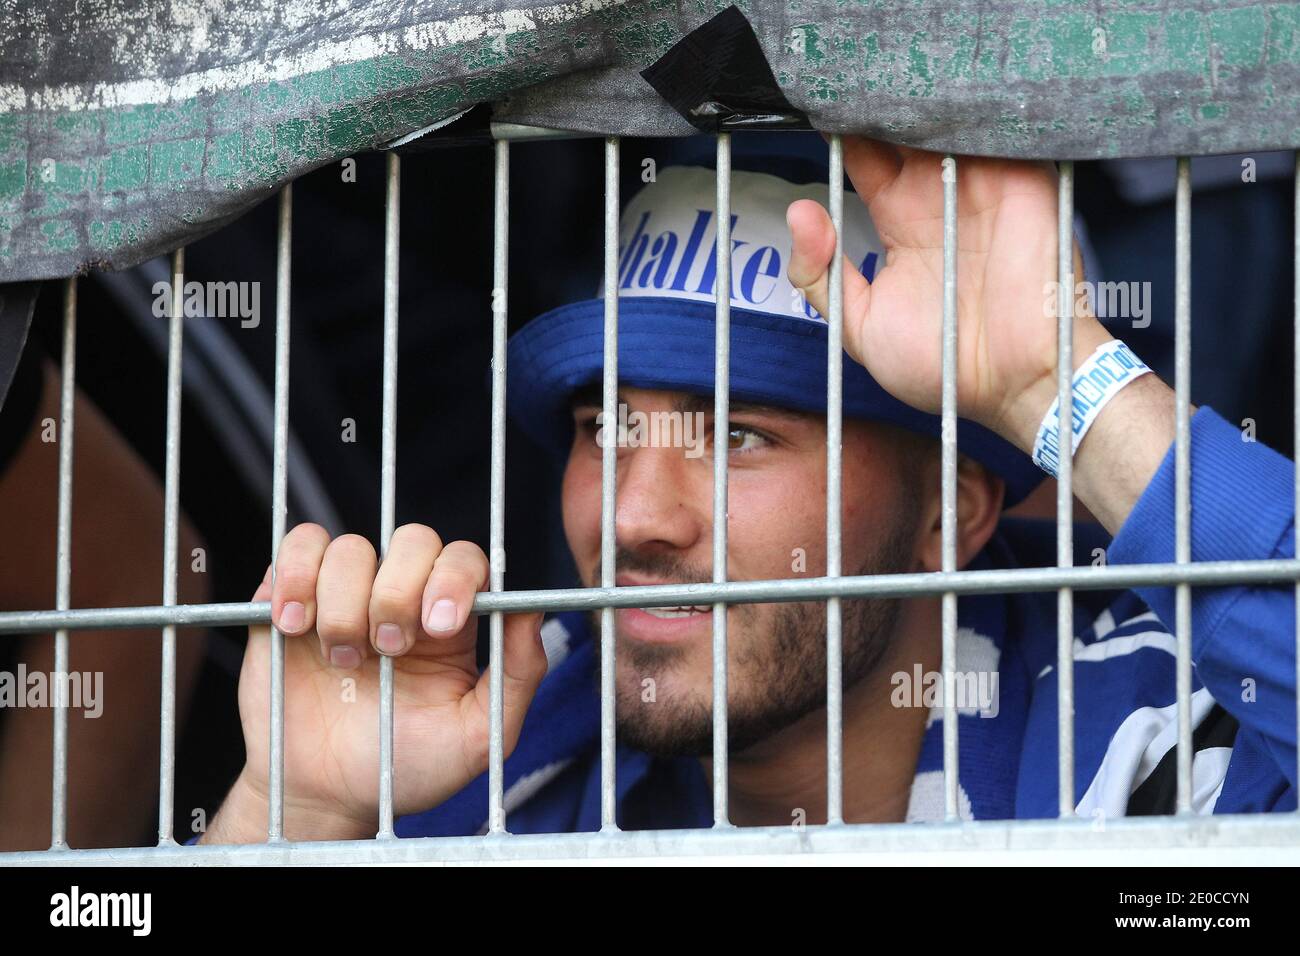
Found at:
<point>666,307</point>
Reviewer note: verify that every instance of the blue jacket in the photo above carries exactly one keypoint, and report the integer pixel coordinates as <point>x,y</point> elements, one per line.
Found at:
<point>1243,705</point>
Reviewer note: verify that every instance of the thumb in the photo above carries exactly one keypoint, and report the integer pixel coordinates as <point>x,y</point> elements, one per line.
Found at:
<point>812,245</point>
<point>258,633</point>
<point>263,592</point>
<point>524,661</point>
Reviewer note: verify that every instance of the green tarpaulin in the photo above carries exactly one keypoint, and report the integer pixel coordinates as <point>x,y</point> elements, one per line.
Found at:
<point>127,129</point>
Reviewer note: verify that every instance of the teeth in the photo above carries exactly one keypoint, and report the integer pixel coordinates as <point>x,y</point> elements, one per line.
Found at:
<point>673,612</point>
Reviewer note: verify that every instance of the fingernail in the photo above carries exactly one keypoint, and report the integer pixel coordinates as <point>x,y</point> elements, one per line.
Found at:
<point>388,638</point>
<point>292,616</point>
<point>344,657</point>
<point>442,616</point>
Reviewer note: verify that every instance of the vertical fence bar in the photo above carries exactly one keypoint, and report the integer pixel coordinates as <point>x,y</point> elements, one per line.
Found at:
<point>721,444</point>
<point>834,531</point>
<point>388,475</point>
<point>63,562</point>
<point>949,485</point>
<point>1295,415</point>
<point>497,515</point>
<point>279,478</point>
<point>1182,472</point>
<point>171,525</point>
<point>609,491</point>
<point>1064,488</point>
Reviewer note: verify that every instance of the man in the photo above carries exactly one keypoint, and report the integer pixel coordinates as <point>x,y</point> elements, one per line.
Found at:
<point>341,610</point>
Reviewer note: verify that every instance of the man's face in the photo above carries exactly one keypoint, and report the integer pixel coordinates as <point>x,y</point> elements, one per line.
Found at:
<point>776,529</point>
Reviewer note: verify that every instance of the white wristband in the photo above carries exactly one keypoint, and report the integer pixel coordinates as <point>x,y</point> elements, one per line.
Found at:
<point>1107,370</point>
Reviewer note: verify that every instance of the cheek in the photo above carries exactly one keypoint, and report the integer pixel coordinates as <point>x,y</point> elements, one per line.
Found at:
<point>870,511</point>
<point>777,525</point>
<point>580,500</point>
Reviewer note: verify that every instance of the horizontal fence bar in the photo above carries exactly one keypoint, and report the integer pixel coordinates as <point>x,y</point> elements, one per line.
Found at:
<point>518,132</point>
<point>1239,839</point>
<point>1010,581</point>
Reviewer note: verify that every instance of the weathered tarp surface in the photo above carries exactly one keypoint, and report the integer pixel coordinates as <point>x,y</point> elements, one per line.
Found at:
<point>127,129</point>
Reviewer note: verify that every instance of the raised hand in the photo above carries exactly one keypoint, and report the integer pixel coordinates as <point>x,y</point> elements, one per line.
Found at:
<point>1006,274</point>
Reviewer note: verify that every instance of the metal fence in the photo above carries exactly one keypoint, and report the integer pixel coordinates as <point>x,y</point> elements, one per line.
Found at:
<point>1184,837</point>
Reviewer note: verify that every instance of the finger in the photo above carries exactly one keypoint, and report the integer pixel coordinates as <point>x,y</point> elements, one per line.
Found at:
<point>263,592</point>
<point>297,566</point>
<point>812,245</point>
<point>347,576</point>
<point>524,666</point>
<point>460,572</point>
<point>399,587</point>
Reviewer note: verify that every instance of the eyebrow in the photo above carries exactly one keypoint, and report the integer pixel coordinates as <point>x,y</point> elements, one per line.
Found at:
<point>703,403</point>
<point>591,396</point>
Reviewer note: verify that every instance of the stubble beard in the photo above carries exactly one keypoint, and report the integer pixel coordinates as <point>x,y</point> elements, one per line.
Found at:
<point>776,660</point>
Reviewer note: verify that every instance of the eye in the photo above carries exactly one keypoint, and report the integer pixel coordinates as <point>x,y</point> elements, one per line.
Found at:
<point>743,439</point>
<point>584,423</point>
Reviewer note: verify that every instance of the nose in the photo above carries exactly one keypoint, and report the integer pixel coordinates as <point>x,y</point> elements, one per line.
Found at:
<point>655,500</point>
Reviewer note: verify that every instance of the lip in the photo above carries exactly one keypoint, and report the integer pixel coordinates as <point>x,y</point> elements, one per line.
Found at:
<point>640,625</point>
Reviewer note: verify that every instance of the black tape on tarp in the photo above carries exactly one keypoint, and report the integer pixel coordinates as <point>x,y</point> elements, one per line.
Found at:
<point>17,303</point>
<point>718,78</point>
